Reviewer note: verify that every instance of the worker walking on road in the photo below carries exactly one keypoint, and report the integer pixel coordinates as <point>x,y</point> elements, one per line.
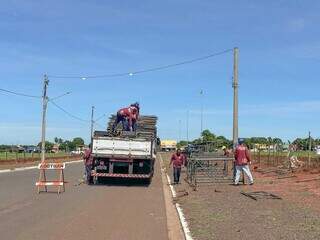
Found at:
<point>242,159</point>
<point>127,116</point>
<point>88,161</point>
<point>178,160</point>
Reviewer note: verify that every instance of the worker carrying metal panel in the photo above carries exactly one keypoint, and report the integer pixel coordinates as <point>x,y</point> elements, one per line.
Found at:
<point>128,117</point>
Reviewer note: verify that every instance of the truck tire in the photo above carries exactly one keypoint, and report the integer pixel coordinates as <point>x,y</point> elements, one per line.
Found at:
<point>147,181</point>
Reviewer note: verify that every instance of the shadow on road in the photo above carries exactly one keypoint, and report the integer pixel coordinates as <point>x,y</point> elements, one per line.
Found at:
<point>122,182</point>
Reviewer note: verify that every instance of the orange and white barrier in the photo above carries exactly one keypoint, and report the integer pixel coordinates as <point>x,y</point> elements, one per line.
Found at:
<point>42,182</point>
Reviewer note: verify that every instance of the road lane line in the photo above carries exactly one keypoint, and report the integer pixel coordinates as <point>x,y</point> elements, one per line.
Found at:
<point>32,167</point>
<point>183,221</point>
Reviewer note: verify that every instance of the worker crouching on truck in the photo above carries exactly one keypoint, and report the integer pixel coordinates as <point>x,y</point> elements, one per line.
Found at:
<point>128,117</point>
<point>135,116</point>
<point>242,161</point>
<point>178,160</point>
<point>88,161</point>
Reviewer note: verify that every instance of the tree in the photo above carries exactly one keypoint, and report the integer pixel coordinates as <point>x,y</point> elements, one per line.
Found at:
<point>182,144</point>
<point>221,141</point>
<point>48,146</point>
<point>78,141</point>
<point>207,136</point>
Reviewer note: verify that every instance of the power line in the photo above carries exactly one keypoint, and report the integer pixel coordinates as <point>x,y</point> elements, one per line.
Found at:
<point>19,94</point>
<point>68,113</point>
<point>99,125</point>
<point>62,95</point>
<point>148,69</point>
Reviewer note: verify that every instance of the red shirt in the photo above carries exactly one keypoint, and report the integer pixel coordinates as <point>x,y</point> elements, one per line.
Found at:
<point>177,161</point>
<point>242,155</point>
<point>130,112</point>
<point>87,157</point>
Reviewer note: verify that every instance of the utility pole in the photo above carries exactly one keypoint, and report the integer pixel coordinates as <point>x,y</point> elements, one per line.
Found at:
<point>188,126</point>
<point>201,124</point>
<point>44,114</point>
<point>309,152</point>
<point>92,121</point>
<point>235,86</point>
<point>179,130</point>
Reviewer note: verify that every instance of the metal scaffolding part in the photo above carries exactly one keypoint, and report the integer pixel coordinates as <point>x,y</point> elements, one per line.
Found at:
<point>206,168</point>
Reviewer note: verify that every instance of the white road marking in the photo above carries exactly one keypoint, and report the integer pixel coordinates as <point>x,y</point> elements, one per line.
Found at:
<point>32,167</point>
<point>174,194</point>
<point>183,221</point>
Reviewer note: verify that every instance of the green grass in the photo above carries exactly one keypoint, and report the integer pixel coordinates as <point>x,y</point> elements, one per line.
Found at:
<point>13,156</point>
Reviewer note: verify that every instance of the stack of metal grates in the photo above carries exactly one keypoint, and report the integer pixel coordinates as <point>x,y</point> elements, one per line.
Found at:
<point>146,127</point>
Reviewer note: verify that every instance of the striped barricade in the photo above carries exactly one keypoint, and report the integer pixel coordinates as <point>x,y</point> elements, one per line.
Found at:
<point>43,182</point>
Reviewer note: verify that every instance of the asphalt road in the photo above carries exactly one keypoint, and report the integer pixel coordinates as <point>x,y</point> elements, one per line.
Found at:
<point>112,211</point>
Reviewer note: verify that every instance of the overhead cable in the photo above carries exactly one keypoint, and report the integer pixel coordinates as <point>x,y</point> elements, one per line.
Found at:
<point>68,113</point>
<point>19,94</point>
<point>144,70</point>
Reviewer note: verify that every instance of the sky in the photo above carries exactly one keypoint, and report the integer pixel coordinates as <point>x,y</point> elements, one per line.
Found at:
<point>279,60</point>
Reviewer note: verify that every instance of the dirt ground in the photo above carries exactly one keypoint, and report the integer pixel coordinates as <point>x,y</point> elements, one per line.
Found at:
<point>220,211</point>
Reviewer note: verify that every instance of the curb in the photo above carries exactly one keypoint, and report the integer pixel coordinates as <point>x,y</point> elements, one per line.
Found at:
<point>183,221</point>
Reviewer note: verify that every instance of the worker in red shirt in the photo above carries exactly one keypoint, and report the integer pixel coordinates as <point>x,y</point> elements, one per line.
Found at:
<point>178,160</point>
<point>127,116</point>
<point>242,161</point>
<point>135,116</point>
<point>88,161</point>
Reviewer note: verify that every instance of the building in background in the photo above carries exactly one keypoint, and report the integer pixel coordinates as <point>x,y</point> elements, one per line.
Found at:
<point>168,145</point>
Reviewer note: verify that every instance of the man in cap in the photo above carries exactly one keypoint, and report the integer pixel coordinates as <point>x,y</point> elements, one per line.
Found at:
<point>127,116</point>
<point>177,160</point>
<point>242,161</point>
<point>226,154</point>
<point>88,161</point>
<point>135,116</point>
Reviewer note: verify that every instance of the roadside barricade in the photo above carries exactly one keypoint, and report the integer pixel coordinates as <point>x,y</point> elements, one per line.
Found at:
<point>43,182</point>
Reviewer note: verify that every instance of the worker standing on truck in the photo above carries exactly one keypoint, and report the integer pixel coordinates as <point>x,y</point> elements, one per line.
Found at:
<point>127,116</point>
<point>88,161</point>
<point>242,159</point>
<point>178,160</point>
<point>135,116</point>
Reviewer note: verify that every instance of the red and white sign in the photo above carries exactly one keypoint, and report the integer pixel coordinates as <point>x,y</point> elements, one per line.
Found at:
<point>52,166</point>
<point>43,182</point>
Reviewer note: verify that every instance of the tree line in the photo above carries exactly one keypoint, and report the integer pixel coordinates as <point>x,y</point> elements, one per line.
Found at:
<point>216,142</point>
<point>63,145</point>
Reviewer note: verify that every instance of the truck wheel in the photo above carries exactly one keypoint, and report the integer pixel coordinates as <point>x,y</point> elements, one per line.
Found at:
<point>147,181</point>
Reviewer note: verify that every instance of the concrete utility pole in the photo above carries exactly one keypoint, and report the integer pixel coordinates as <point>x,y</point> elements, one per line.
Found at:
<point>44,114</point>
<point>188,126</point>
<point>309,152</point>
<point>201,124</point>
<point>92,121</point>
<point>179,130</point>
<point>235,86</point>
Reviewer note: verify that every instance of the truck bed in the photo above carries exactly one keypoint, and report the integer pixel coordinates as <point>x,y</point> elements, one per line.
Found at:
<point>122,148</point>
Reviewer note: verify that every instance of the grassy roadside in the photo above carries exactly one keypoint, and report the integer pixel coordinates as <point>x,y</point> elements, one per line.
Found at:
<point>13,155</point>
